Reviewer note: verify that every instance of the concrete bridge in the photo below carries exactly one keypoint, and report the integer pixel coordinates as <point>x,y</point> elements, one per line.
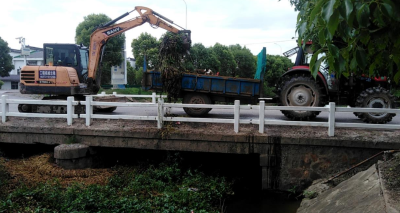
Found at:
<point>289,156</point>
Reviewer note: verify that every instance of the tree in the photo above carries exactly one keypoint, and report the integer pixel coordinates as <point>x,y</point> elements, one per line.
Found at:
<point>5,59</point>
<point>226,58</point>
<point>139,76</point>
<point>147,45</point>
<point>276,66</point>
<point>130,74</point>
<point>113,50</point>
<point>245,60</point>
<point>203,58</point>
<point>352,36</point>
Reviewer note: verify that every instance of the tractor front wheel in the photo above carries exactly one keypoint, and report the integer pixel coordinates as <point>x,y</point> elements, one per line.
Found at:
<point>300,91</point>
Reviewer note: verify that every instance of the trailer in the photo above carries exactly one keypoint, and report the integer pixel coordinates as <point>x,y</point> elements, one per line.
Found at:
<point>208,89</point>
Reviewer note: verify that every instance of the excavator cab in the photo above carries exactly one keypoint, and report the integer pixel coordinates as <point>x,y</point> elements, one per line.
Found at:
<point>67,55</point>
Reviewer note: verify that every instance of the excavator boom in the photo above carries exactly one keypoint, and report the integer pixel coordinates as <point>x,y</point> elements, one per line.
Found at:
<point>72,69</point>
<point>101,35</point>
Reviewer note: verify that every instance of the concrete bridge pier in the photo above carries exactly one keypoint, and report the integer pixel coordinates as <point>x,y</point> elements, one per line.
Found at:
<point>73,156</point>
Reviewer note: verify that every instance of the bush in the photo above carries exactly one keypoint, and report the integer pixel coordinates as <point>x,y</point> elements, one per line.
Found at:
<point>162,188</point>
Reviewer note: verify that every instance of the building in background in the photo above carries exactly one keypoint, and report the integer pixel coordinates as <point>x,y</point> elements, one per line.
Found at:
<point>35,57</point>
<point>132,61</point>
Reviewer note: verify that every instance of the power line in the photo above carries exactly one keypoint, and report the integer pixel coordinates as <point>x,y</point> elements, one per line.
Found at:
<point>268,42</point>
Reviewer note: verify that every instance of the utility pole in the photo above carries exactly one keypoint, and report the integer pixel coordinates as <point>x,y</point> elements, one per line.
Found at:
<point>23,49</point>
<point>186,12</point>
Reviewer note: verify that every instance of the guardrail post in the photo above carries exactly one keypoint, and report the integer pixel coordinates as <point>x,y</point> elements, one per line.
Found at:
<point>261,117</point>
<point>114,93</point>
<point>160,113</point>
<point>103,93</point>
<point>331,119</point>
<point>89,109</point>
<point>70,110</point>
<point>4,108</point>
<point>153,97</point>
<point>236,116</point>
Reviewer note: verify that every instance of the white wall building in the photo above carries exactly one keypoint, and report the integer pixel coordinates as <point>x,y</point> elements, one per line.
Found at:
<point>35,58</point>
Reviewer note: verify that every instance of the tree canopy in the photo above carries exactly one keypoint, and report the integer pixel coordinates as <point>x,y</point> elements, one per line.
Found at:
<point>226,58</point>
<point>276,66</point>
<point>5,59</point>
<point>113,50</point>
<point>204,58</point>
<point>234,60</point>
<point>245,61</point>
<point>352,36</point>
<point>147,45</point>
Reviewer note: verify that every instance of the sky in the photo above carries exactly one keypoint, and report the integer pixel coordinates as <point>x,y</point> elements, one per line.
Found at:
<point>251,23</point>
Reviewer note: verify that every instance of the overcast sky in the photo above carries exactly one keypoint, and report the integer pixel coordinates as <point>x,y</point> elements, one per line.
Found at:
<point>254,23</point>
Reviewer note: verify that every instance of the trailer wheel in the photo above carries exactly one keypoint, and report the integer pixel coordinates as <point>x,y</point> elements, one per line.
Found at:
<point>300,91</point>
<point>194,98</point>
<point>376,97</point>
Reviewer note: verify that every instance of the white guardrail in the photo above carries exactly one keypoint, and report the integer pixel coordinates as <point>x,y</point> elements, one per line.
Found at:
<point>160,118</point>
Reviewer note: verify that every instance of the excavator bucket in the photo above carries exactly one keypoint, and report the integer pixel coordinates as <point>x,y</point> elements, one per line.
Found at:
<point>187,41</point>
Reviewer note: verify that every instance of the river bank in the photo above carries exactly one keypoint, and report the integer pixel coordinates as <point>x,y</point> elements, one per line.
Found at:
<point>374,190</point>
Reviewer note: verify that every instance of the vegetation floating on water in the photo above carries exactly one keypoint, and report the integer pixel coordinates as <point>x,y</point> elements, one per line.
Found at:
<point>171,56</point>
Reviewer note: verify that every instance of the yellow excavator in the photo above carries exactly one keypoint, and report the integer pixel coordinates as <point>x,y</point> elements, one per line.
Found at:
<point>73,70</point>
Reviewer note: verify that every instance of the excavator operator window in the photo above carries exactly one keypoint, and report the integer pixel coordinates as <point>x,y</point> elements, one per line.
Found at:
<point>84,62</point>
<point>70,59</point>
<point>64,56</point>
<point>49,56</point>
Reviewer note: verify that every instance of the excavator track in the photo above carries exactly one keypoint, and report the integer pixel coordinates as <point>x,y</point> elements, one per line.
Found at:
<point>62,109</point>
<point>51,109</point>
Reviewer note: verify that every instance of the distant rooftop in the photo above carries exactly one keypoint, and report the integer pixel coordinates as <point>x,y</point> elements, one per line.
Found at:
<point>10,78</point>
<point>34,54</point>
<point>27,46</point>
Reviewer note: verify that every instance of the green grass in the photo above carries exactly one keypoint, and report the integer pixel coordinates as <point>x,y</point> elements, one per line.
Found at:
<point>153,188</point>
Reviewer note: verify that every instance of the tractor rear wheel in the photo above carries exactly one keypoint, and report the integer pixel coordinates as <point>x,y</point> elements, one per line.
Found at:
<point>300,91</point>
<point>376,97</point>
<point>195,98</point>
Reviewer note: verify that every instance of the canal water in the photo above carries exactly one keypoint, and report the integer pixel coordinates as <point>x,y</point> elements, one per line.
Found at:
<point>263,202</point>
<point>243,170</point>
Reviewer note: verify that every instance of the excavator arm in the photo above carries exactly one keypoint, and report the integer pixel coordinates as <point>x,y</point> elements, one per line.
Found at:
<point>100,36</point>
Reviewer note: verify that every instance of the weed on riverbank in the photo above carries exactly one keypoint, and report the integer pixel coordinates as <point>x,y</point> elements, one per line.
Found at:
<point>163,187</point>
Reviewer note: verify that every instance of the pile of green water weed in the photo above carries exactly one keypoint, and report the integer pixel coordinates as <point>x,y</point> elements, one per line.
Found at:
<point>170,57</point>
<point>147,188</point>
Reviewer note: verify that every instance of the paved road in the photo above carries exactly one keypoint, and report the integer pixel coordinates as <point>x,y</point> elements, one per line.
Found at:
<point>215,113</point>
